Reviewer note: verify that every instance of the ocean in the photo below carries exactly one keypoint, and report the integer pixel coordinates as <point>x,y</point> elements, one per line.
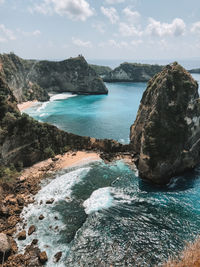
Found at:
<point>103,214</point>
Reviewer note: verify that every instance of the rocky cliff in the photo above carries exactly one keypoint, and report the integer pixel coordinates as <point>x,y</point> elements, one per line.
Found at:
<point>166,132</point>
<point>101,70</point>
<point>132,72</point>
<point>31,79</point>
<point>25,141</point>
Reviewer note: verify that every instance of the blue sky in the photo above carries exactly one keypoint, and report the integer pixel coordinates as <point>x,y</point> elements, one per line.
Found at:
<point>107,29</point>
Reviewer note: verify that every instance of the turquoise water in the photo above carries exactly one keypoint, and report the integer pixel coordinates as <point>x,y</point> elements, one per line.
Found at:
<point>103,214</point>
<point>100,116</point>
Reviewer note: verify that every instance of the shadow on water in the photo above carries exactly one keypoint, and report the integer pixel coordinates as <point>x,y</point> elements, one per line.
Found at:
<point>179,183</point>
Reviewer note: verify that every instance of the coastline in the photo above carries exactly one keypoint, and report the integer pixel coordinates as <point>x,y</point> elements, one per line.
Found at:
<point>14,198</point>
<point>28,104</point>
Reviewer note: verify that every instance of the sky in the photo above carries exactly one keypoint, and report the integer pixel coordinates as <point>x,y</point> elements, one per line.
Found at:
<point>107,29</point>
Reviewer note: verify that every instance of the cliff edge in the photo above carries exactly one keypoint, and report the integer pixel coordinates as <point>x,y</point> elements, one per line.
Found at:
<point>166,132</point>
<point>32,79</point>
<point>132,72</point>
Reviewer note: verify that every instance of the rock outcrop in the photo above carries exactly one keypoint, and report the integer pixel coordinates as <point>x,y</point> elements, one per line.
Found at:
<point>25,141</point>
<point>102,71</point>
<point>166,132</point>
<point>32,79</point>
<point>132,72</point>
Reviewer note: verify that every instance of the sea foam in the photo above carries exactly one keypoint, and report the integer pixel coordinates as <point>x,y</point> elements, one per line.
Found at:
<point>99,199</point>
<point>48,230</point>
<point>61,96</point>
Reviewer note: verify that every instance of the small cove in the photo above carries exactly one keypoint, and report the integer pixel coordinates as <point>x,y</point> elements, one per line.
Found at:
<point>136,224</point>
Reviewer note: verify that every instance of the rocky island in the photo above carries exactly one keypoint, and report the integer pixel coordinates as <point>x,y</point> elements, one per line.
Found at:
<point>166,132</point>
<point>132,72</point>
<point>34,80</point>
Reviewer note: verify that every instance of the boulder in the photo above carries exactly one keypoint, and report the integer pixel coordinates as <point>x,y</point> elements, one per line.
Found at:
<point>43,257</point>
<point>166,132</point>
<point>22,235</point>
<point>41,217</point>
<point>5,246</point>
<point>50,201</point>
<point>58,256</point>
<point>31,229</point>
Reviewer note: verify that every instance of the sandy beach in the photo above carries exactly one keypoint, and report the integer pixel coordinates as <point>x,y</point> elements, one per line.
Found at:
<point>26,105</point>
<point>69,159</point>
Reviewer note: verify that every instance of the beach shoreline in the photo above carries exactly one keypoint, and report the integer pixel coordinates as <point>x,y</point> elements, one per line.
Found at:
<point>28,184</point>
<point>25,105</point>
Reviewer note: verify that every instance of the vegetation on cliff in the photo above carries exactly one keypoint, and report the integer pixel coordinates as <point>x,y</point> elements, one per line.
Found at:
<point>32,79</point>
<point>25,141</point>
<point>166,132</point>
<point>101,70</point>
<point>132,72</point>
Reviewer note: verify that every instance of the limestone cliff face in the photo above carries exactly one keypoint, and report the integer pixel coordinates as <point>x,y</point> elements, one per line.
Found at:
<point>102,71</point>
<point>166,132</point>
<point>31,79</point>
<point>25,141</point>
<point>132,72</point>
<point>71,75</point>
<point>16,72</point>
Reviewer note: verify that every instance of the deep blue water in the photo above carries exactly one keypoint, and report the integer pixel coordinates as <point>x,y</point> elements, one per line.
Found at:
<point>103,214</point>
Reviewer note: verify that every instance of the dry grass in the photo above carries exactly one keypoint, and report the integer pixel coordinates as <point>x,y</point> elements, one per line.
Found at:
<point>190,257</point>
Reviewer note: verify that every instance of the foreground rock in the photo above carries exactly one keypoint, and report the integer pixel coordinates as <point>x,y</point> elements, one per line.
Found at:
<point>43,257</point>
<point>132,72</point>
<point>5,247</point>
<point>166,132</point>
<point>32,79</point>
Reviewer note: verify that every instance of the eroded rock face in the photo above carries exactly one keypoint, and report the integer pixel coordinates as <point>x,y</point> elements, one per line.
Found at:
<point>166,132</point>
<point>132,72</point>
<point>32,79</point>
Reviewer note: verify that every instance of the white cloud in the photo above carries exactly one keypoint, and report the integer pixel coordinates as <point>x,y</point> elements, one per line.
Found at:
<point>128,30</point>
<point>8,33</point>
<point>81,43</point>
<point>156,28</point>
<point>28,34</point>
<point>136,42</point>
<point>112,2</point>
<point>100,27</point>
<point>111,14</point>
<point>114,44</point>
<point>132,16</point>
<point>2,40</point>
<point>74,9</point>
<point>196,27</point>
<point>1,2</point>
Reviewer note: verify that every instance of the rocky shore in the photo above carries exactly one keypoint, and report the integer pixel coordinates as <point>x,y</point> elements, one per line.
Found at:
<point>15,196</point>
